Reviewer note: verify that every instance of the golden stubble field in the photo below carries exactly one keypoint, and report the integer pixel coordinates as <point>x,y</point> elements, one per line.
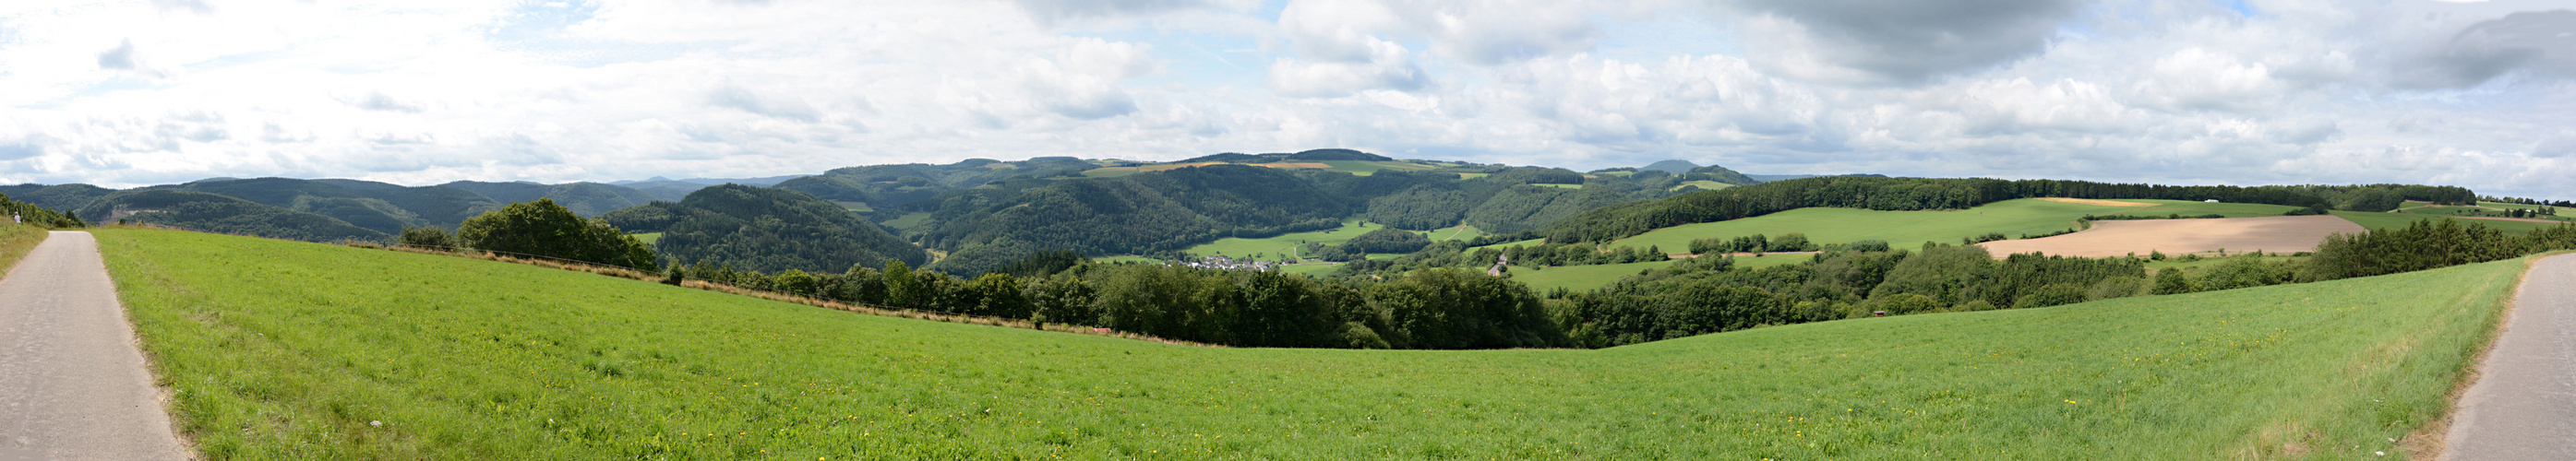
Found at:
<point>2271,234</point>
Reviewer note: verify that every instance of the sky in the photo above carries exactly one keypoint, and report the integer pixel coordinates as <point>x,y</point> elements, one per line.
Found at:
<point>2245,92</point>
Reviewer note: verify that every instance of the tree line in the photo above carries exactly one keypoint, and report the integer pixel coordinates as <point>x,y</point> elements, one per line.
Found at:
<point>1897,194</point>
<point>1441,309</point>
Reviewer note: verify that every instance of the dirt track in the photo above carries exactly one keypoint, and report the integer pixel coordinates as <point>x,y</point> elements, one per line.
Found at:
<point>2272,234</point>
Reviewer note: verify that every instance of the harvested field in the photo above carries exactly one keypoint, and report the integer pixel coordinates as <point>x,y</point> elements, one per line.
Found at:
<point>2272,234</point>
<point>2099,202</point>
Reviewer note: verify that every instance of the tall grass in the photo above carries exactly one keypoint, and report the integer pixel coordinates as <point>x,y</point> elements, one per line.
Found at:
<point>290,350</point>
<point>15,241</point>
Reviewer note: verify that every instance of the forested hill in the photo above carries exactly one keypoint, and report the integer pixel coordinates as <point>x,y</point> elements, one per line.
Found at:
<point>887,186</point>
<point>217,213</point>
<point>583,198</point>
<point>380,208</point>
<point>1878,193</point>
<point>765,229</point>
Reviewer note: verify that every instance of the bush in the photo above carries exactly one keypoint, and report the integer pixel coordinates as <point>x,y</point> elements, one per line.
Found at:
<point>1387,240</point>
<point>428,237</point>
<point>543,228</point>
<point>2172,282</point>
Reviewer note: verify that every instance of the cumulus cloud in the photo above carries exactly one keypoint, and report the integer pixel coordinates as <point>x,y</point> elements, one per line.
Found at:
<point>1066,10</point>
<point>121,57</point>
<point>1866,41</point>
<point>2290,91</point>
<point>2543,43</point>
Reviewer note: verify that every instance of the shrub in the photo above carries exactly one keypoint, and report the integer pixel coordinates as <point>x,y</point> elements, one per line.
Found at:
<point>2172,281</point>
<point>428,237</point>
<point>543,228</point>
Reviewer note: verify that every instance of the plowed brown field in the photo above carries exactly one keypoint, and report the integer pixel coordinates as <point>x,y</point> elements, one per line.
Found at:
<point>2271,234</point>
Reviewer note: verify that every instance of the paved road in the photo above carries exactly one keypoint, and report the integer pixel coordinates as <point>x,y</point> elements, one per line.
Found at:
<point>2524,403</point>
<point>72,383</point>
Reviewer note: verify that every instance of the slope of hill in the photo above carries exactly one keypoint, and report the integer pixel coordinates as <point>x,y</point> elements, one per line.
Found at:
<point>764,229</point>
<point>584,198</point>
<point>1671,166</point>
<point>217,213</point>
<point>405,355</point>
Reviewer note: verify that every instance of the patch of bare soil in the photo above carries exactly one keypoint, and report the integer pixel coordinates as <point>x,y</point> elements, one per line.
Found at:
<point>2271,234</point>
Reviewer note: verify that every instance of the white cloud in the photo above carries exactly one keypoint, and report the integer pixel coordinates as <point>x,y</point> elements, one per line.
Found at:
<point>2288,91</point>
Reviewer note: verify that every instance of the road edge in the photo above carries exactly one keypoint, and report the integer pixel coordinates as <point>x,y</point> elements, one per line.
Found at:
<point>2432,440</point>
<point>162,393</point>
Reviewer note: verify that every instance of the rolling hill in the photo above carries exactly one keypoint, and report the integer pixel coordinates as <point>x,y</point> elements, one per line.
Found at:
<point>403,355</point>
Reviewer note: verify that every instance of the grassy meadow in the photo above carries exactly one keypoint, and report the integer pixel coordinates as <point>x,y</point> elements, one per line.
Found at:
<point>1282,246</point>
<point>294,350</point>
<point>2379,220</point>
<point>648,237</point>
<point>2197,208</point>
<point>1903,229</point>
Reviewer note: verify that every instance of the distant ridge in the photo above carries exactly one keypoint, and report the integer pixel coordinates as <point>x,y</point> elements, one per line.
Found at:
<point>1671,166</point>
<point>1311,155</point>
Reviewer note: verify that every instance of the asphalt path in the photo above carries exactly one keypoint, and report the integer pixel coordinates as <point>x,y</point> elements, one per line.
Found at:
<point>72,383</point>
<point>2523,405</point>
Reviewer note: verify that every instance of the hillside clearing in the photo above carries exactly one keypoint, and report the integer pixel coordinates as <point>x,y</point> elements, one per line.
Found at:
<point>293,350</point>
<point>2271,234</point>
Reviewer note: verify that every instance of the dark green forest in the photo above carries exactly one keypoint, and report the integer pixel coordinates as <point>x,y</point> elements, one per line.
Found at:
<point>764,229</point>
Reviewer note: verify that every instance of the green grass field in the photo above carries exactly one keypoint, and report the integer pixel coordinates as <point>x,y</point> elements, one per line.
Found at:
<point>1462,232</point>
<point>1704,185</point>
<point>648,237</point>
<point>2197,208</point>
<point>1903,229</point>
<point>2377,220</point>
<point>1281,247</point>
<point>280,349</point>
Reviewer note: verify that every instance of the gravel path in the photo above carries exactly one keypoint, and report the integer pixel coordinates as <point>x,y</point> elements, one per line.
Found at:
<point>72,383</point>
<point>2524,403</point>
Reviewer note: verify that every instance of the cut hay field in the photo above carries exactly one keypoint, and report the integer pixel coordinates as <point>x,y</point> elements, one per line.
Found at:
<point>1903,229</point>
<point>280,349</point>
<point>2271,234</point>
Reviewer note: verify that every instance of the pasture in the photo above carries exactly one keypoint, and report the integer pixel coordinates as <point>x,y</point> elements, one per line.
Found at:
<point>1903,229</point>
<point>279,349</point>
<point>648,237</point>
<point>2375,220</point>
<point>1283,247</point>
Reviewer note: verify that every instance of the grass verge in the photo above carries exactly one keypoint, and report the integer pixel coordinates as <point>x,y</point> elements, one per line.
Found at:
<point>15,241</point>
<point>292,350</point>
